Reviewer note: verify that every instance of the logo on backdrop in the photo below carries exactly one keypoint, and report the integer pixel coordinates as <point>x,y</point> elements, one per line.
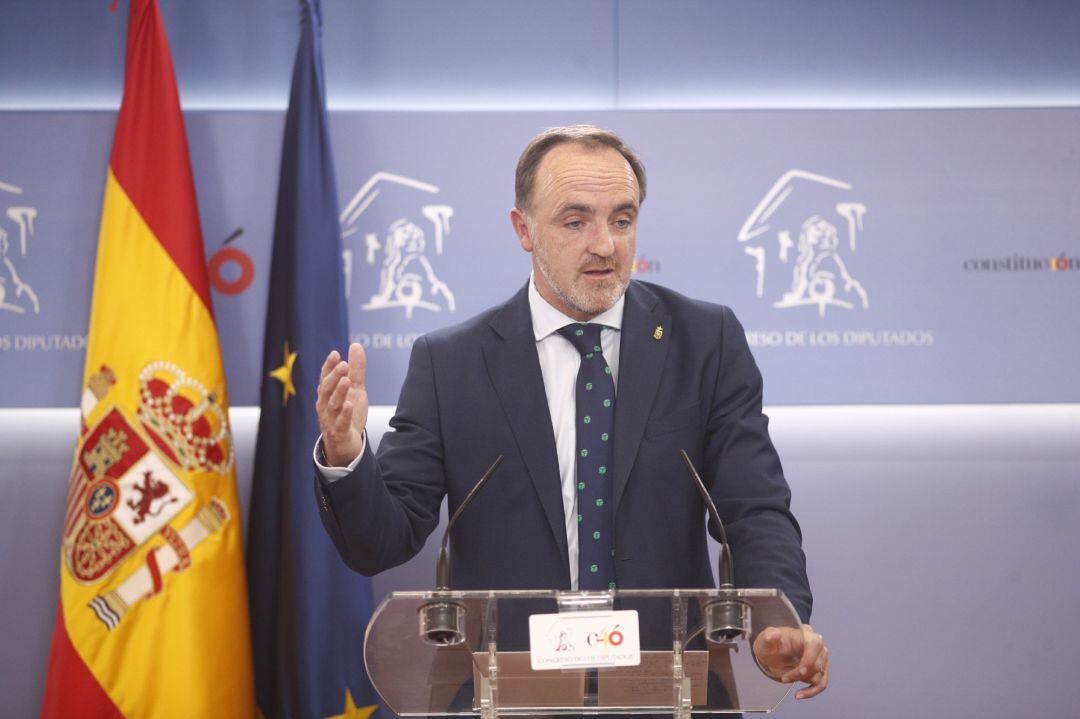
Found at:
<point>406,250</point>
<point>16,233</point>
<point>1017,262</point>
<point>801,237</point>
<point>230,269</point>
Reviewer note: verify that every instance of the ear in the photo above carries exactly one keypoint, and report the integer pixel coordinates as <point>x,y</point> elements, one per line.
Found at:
<point>521,228</point>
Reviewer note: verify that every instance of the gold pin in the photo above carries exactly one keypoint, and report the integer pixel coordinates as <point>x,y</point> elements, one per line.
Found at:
<point>658,332</point>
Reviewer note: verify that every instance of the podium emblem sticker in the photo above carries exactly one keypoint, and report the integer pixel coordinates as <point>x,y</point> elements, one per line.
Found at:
<point>584,639</point>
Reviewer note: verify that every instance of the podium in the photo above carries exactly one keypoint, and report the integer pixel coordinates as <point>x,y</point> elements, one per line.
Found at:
<point>470,653</point>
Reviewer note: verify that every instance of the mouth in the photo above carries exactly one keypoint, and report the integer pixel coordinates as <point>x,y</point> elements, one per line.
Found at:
<point>599,274</point>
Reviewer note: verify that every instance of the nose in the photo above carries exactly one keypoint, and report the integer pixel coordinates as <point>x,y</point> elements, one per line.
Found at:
<point>602,243</point>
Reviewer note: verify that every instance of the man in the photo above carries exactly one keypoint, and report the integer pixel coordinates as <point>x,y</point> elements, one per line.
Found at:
<point>593,492</point>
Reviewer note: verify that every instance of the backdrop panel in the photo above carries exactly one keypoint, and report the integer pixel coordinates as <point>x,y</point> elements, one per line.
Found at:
<point>892,256</point>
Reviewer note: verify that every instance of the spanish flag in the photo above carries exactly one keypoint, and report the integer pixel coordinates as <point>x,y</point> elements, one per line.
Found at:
<point>153,618</point>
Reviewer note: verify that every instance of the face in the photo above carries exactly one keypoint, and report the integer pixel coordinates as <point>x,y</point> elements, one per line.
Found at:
<point>581,228</point>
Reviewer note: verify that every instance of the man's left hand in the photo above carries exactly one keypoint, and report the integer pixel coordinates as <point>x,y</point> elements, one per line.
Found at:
<point>790,655</point>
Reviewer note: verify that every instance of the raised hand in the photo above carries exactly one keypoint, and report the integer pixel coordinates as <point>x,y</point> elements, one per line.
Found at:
<point>342,406</point>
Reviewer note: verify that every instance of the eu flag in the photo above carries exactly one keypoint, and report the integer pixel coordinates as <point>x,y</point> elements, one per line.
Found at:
<point>308,610</point>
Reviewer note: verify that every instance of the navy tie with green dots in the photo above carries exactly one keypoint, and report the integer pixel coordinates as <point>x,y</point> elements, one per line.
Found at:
<point>595,400</point>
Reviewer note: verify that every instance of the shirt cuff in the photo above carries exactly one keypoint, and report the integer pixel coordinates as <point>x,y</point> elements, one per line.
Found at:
<point>333,474</point>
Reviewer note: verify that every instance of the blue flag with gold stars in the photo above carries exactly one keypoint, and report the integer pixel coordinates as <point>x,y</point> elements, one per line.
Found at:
<point>308,610</point>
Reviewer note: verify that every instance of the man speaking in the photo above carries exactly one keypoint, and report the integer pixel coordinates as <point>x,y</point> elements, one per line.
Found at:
<point>589,384</point>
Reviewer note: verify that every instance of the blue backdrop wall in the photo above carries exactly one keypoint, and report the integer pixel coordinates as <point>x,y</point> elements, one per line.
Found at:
<point>874,256</point>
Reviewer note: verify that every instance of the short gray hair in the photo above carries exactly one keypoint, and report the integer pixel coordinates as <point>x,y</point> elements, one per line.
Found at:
<point>588,135</point>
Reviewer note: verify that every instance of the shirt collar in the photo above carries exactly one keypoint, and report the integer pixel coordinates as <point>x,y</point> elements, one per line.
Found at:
<point>547,320</point>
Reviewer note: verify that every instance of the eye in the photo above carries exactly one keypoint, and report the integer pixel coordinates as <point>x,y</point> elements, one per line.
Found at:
<point>624,223</point>
<point>575,224</point>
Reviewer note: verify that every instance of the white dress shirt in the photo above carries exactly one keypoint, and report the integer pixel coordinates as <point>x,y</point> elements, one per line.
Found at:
<point>559,363</point>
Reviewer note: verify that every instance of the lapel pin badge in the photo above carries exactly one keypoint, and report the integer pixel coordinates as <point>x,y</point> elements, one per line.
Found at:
<point>658,333</point>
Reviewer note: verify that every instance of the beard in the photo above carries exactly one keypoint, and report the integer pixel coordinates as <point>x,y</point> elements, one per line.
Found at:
<point>588,297</point>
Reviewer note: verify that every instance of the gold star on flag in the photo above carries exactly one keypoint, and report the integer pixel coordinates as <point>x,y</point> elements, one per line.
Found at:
<point>283,374</point>
<point>354,712</point>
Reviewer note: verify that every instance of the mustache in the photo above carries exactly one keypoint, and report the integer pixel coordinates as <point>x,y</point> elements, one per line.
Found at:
<point>600,264</point>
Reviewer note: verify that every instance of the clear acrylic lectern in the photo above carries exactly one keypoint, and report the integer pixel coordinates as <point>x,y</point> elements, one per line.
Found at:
<point>459,653</point>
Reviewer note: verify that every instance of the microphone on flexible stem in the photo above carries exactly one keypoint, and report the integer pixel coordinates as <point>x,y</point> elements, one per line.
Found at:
<point>441,621</point>
<point>726,620</point>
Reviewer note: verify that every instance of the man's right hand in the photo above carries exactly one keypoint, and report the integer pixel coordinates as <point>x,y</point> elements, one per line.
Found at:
<point>342,406</point>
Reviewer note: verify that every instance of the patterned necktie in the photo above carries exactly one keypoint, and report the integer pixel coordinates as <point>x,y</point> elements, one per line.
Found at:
<point>595,399</point>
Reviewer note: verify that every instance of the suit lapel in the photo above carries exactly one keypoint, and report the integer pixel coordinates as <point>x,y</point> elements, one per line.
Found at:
<point>514,368</point>
<point>641,361</point>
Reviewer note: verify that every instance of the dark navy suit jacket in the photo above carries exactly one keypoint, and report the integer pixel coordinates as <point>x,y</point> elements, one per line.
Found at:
<point>687,381</point>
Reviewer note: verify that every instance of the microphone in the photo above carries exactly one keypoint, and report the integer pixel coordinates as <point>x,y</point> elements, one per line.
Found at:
<point>442,566</point>
<point>440,620</point>
<point>726,620</point>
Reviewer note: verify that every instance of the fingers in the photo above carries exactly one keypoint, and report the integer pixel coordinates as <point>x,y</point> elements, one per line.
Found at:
<point>341,405</point>
<point>809,653</point>
<point>335,403</point>
<point>357,400</point>
<point>357,363</point>
<point>818,683</point>
<point>780,645</point>
<point>813,667</point>
<point>341,438</point>
<point>333,384</point>
<point>774,652</point>
<point>343,420</point>
<point>776,645</point>
<point>331,361</point>
<point>791,655</point>
<point>332,370</point>
<point>809,664</point>
<point>768,641</point>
